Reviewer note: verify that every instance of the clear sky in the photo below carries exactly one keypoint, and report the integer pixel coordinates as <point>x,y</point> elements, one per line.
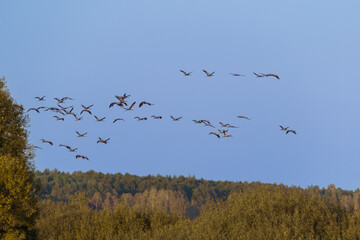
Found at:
<point>93,50</point>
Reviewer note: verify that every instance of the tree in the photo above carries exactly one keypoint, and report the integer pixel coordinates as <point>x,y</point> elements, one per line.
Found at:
<point>18,192</point>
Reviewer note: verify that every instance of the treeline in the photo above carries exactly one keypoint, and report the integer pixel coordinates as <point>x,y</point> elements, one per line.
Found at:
<point>185,196</point>
<point>261,212</point>
<point>182,195</point>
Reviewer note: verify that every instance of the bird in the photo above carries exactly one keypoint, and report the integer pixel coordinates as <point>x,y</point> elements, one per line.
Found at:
<point>72,150</point>
<point>214,133</point>
<point>86,110</point>
<point>52,109</point>
<point>156,117</point>
<point>209,74</point>
<point>130,108</point>
<point>68,112</point>
<point>123,97</point>
<point>243,117</point>
<point>59,111</point>
<point>223,125</point>
<point>205,121</point>
<point>292,131</point>
<point>140,119</point>
<point>58,118</point>
<point>68,147</point>
<point>40,98</point>
<point>144,102</point>
<point>198,122</point>
<point>284,128</point>
<point>207,124</point>
<point>103,141</point>
<point>185,73</point>
<point>120,104</point>
<point>176,119</point>
<point>76,117</point>
<point>66,98</point>
<point>258,75</point>
<point>81,156</point>
<point>98,119</point>
<point>59,100</point>
<point>63,108</point>
<point>36,147</point>
<point>118,119</point>
<point>271,75</point>
<point>63,145</point>
<point>237,75</point>
<point>81,135</point>
<point>46,141</point>
<point>227,125</point>
<point>225,133</point>
<point>34,109</point>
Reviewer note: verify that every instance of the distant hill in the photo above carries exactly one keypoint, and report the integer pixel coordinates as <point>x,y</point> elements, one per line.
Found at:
<point>183,195</point>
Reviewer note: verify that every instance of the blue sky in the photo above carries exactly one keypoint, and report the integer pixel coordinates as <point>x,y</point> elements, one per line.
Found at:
<point>94,50</point>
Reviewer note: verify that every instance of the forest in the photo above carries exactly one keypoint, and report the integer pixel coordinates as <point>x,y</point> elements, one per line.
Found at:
<point>94,205</point>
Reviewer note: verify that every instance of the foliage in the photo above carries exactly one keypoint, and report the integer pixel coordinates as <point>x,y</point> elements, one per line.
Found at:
<point>264,211</point>
<point>191,194</point>
<point>17,189</point>
<point>76,220</point>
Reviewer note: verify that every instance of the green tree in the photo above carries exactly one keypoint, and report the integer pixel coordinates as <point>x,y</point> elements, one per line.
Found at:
<point>18,201</point>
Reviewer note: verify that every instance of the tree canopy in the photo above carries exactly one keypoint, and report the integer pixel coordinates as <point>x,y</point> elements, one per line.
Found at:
<point>18,198</point>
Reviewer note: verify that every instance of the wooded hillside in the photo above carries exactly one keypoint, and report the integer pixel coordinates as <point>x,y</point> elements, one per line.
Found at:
<point>115,206</point>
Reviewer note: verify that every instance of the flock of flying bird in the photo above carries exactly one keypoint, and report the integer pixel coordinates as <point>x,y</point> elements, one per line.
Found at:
<point>122,102</point>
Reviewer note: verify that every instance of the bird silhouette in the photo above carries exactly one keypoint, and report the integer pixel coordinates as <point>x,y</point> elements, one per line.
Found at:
<point>46,141</point>
<point>59,100</point>
<point>69,112</point>
<point>40,98</point>
<point>237,75</point>
<point>120,104</point>
<point>58,118</point>
<point>99,119</point>
<point>81,135</point>
<point>185,73</point>
<point>63,145</point>
<point>175,119</point>
<point>271,75</point>
<point>66,98</point>
<point>103,141</point>
<point>140,119</point>
<point>197,121</point>
<point>214,133</point>
<point>292,131</point>
<point>118,119</point>
<point>144,102</point>
<point>88,107</point>
<point>34,109</point>
<point>243,117</point>
<point>76,117</point>
<point>258,75</point>
<point>130,108</point>
<point>86,110</point>
<point>81,156</point>
<point>209,74</point>
<point>284,128</point>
